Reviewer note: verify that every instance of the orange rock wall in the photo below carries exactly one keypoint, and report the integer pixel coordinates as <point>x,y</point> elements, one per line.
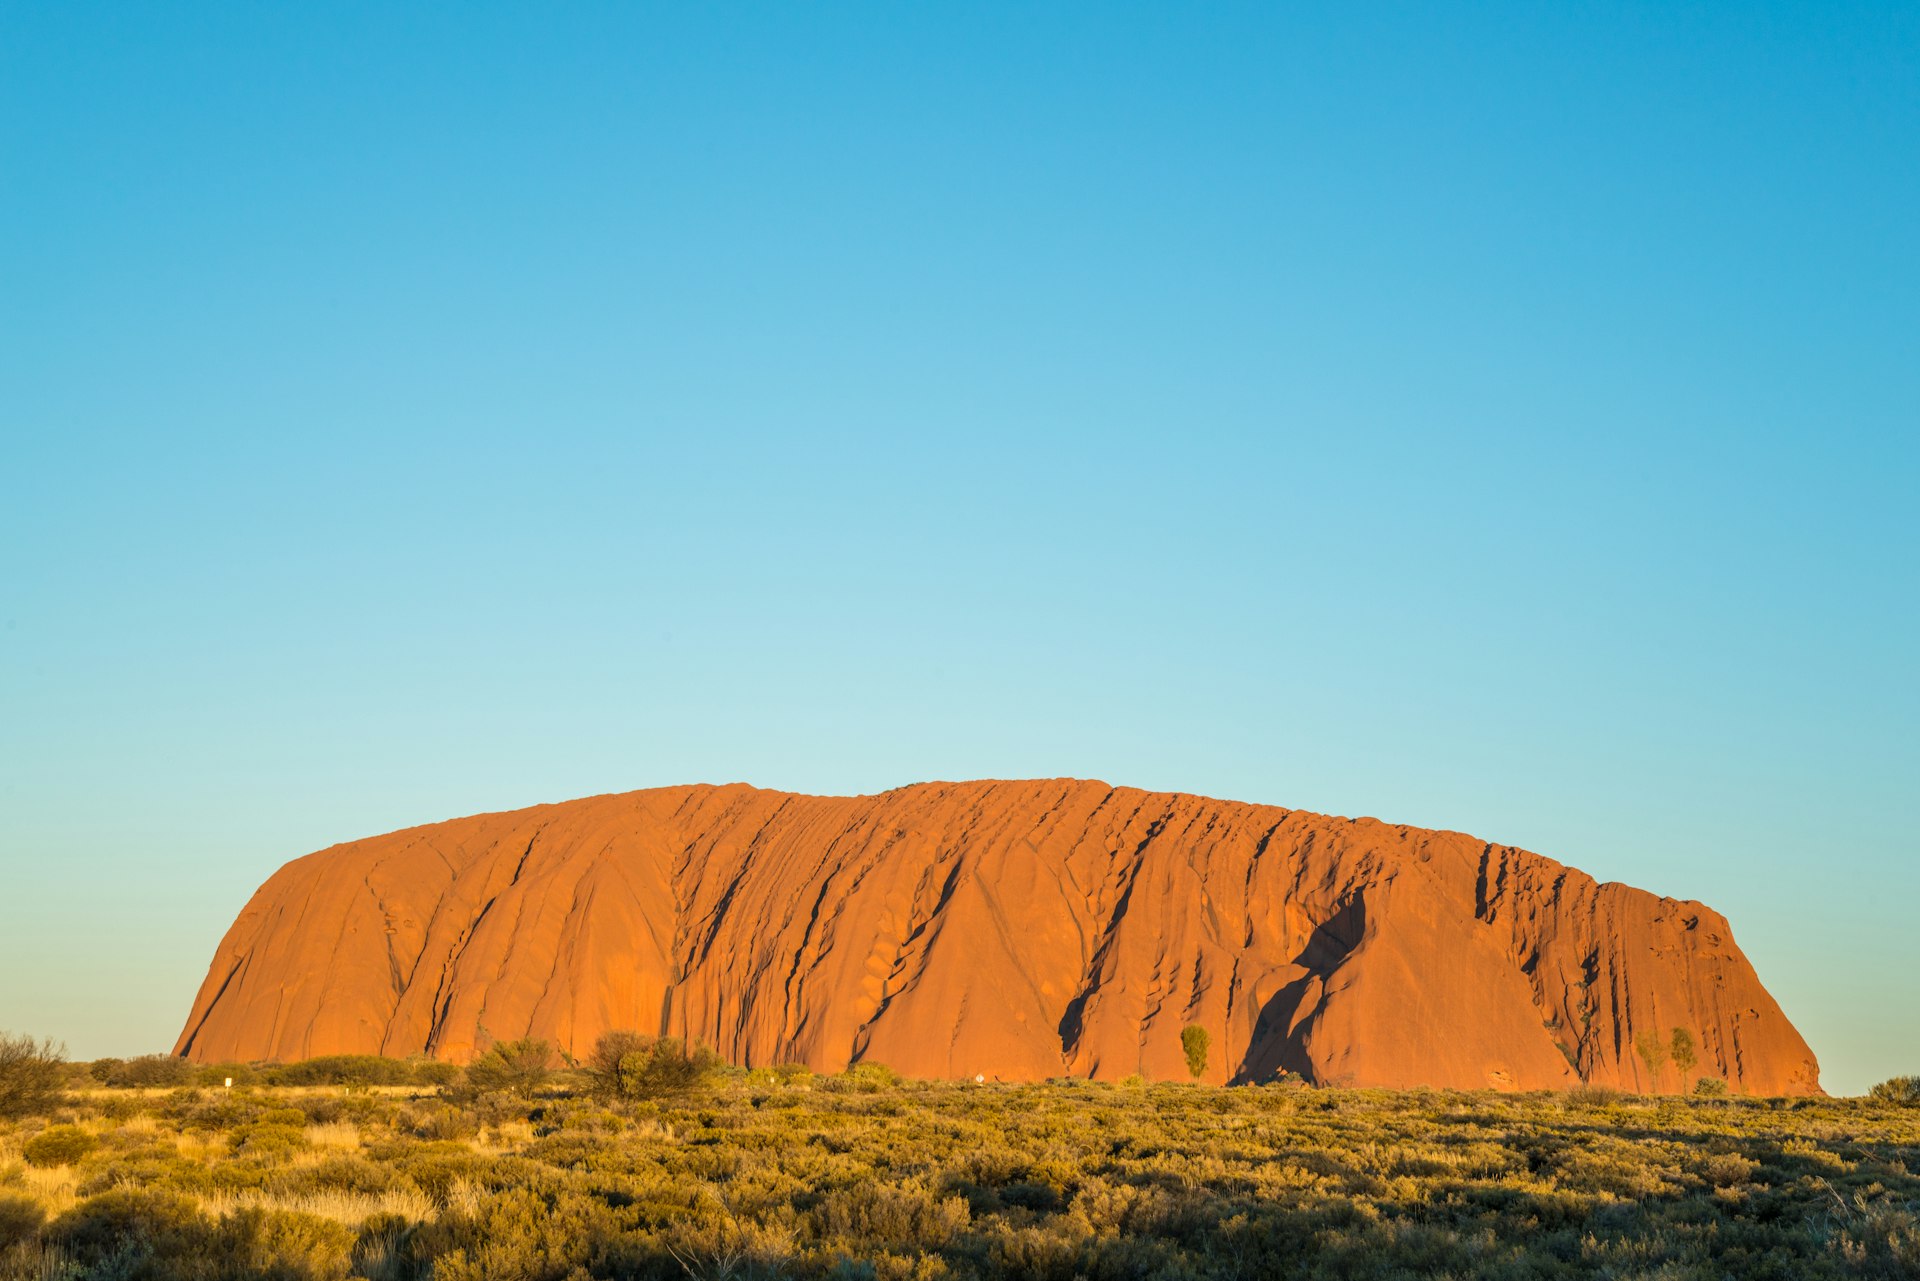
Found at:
<point>1016,929</point>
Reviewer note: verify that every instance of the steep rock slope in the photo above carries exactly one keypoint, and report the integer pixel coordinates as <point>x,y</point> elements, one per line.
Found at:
<point>1015,929</point>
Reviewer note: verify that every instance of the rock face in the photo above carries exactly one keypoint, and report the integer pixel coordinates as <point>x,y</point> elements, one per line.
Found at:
<point>1014,929</point>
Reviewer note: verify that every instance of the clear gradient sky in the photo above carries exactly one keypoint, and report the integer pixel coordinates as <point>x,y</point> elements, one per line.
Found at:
<point>1495,417</point>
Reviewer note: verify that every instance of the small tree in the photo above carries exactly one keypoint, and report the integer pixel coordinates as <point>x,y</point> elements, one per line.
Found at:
<point>1653,1052</point>
<point>1904,1090</point>
<point>676,1067</point>
<point>1680,1046</point>
<point>1195,1041</point>
<point>616,1061</point>
<point>512,1067</point>
<point>31,1075</point>
<point>630,1065</point>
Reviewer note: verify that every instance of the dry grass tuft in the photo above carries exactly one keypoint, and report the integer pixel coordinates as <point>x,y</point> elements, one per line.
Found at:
<point>342,1136</point>
<point>350,1208</point>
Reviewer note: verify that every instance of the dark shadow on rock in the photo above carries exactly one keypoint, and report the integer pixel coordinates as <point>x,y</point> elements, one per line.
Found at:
<point>1280,1033</point>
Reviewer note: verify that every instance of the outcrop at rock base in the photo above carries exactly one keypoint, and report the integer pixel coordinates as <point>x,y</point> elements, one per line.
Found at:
<point>1019,930</point>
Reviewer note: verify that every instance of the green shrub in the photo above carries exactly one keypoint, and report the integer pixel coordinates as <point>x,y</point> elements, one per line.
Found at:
<point>284,1245</point>
<point>151,1169</point>
<point>391,1248</point>
<point>151,1235</point>
<point>58,1145</point>
<point>32,1074</point>
<point>1726,1169</point>
<point>518,1068</point>
<point>360,1071</point>
<point>433,1072</point>
<point>20,1220</point>
<point>1900,1089</point>
<point>325,1109</point>
<point>906,1218</point>
<point>344,1173</point>
<point>436,1168</point>
<point>866,1078</point>
<point>444,1122</point>
<point>1195,1042</point>
<point>133,1234</point>
<point>613,1064</point>
<point>268,1138</point>
<point>215,1114</point>
<point>341,1069</point>
<point>150,1072</point>
<point>1712,1087</point>
<point>632,1066</point>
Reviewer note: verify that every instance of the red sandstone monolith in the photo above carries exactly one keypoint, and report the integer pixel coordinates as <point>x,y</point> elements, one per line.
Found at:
<point>1018,930</point>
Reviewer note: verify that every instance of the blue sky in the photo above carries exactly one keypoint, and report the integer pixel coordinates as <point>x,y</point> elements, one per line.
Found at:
<point>1502,421</point>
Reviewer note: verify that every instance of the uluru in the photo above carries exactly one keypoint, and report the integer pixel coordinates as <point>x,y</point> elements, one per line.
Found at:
<point>1013,930</point>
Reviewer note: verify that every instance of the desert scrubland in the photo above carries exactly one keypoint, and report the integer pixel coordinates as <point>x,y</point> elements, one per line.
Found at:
<point>362,1167</point>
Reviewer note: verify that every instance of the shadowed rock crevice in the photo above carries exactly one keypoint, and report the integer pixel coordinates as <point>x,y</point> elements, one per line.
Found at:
<point>1280,1033</point>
